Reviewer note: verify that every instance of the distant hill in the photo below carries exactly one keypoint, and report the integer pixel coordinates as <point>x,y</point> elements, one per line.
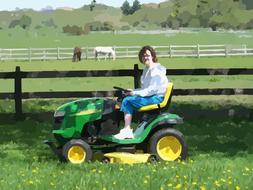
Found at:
<point>168,14</point>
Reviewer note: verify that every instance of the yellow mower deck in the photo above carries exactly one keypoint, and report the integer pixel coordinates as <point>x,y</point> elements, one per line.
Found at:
<point>127,158</point>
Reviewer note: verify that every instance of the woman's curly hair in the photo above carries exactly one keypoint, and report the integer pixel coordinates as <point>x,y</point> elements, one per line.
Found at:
<point>143,51</point>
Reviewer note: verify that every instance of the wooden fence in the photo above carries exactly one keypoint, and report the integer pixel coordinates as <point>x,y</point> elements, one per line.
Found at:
<point>127,52</point>
<point>18,75</point>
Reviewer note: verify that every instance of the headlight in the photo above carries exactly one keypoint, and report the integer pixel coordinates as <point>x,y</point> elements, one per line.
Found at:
<point>59,113</point>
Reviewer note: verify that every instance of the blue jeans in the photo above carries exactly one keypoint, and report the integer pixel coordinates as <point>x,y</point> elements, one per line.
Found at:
<point>133,103</point>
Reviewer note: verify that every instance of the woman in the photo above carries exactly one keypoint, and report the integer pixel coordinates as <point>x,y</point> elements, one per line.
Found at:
<point>153,87</point>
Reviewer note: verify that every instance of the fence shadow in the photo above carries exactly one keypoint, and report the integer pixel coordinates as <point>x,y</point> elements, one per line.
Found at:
<point>206,130</point>
<point>228,130</point>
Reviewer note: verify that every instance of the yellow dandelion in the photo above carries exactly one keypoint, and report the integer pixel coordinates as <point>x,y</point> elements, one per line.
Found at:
<point>161,188</point>
<point>237,187</point>
<point>99,171</point>
<point>194,183</point>
<point>114,183</point>
<point>223,180</point>
<point>169,185</point>
<point>154,170</point>
<point>61,172</point>
<point>185,176</point>
<point>229,182</point>
<point>229,171</point>
<point>178,186</point>
<point>34,171</point>
<point>191,161</point>
<point>93,170</point>
<point>177,176</point>
<point>145,181</point>
<point>217,183</point>
<point>30,182</point>
<point>104,188</point>
<point>51,183</point>
<point>247,169</point>
<point>202,188</point>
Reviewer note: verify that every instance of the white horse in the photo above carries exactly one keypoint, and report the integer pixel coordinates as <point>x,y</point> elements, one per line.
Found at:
<point>106,51</point>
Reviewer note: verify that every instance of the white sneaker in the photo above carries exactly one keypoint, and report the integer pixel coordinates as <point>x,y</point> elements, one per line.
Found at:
<point>125,133</point>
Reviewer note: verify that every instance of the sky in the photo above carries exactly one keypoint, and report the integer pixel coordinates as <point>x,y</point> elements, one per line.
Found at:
<point>39,4</point>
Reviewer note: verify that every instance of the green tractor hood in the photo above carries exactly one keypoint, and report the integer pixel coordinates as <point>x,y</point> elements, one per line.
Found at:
<point>71,117</point>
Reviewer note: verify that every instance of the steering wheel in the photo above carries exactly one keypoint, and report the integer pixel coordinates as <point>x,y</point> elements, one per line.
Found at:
<point>121,89</point>
<point>121,93</point>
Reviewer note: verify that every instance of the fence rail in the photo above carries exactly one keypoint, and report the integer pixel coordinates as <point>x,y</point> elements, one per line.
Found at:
<point>18,75</point>
<point>127,52</point>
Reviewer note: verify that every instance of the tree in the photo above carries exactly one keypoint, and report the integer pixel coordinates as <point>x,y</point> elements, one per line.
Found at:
<point>14,23</point>
<point>92,5</point>
<point>248,4</point>
<point>136,6</point>
<point>25,21</point>
<point>126,9</point>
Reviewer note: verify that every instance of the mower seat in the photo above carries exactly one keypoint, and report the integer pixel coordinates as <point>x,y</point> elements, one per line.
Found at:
<point>163,104</point>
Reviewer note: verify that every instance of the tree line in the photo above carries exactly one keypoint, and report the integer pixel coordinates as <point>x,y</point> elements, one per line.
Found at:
<point>215,14</point>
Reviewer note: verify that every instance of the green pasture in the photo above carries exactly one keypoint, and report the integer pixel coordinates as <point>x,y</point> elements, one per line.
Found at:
<point>106,83</point>
<point>49,37</point>
<point>220,151</point>
<point>218,130</point>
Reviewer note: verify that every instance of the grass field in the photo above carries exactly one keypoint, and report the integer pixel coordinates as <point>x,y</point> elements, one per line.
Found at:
<point>220,151</point>
<point>79,84</point>
<point>55,38</point>
<point>218,130</point>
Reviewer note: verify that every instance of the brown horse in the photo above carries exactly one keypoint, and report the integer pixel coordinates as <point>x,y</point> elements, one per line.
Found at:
<point>77,54</point>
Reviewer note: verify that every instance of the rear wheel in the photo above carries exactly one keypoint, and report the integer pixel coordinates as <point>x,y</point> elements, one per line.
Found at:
<point>77,151</point>
<point>168,145</point>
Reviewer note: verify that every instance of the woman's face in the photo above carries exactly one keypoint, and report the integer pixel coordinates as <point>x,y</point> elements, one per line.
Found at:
<point>147,58</point>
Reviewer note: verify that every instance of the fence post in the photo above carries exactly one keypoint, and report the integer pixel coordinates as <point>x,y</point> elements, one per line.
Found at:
<point>0,54</point>
<point>18,94</point>
<point>86,53</point>
<point>170,51</point>
<point>245,49</point>
<point>226,50</point>
<point>30,54</point>
<point>137,76</point>
<point>58,53</point>
<point>198,50</point>
<point>44,54</point>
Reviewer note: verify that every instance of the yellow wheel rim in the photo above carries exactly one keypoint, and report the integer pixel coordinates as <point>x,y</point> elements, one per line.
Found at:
<point>76,154</point>
<point>169,148</point>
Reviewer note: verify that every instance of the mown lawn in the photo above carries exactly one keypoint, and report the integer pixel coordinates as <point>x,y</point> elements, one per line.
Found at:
<point>219,132</point>
<point>56,38</point>
<point>106,83</point>
<point>218,129</point>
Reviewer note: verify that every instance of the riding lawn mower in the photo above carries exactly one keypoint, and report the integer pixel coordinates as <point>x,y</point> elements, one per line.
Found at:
<point>86,126</point>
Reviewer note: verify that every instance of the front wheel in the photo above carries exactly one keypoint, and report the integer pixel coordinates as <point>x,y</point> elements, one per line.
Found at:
<point>77,151</point>
<point>168,145</point>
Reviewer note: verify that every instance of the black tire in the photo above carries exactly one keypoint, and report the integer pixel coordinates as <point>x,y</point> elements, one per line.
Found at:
<point>168,145</point>
<point>76,151</point>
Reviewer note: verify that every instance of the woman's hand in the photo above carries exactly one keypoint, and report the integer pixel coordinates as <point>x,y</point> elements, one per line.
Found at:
<point>129,92</point>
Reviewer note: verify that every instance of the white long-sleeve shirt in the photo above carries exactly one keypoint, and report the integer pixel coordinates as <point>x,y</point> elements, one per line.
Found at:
<point>153,81</point>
